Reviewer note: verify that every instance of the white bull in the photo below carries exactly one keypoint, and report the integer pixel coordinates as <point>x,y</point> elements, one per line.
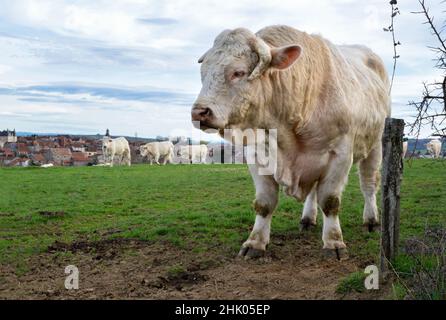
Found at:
<point>434,148</point>
<point>193,153</point>
<point>328,104</point>
<point>116,149</point>
<point>156,150</point>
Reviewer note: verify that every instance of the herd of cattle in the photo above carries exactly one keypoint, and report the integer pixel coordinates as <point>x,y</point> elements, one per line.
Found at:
<point>118,150</point>
<point>433,148</point>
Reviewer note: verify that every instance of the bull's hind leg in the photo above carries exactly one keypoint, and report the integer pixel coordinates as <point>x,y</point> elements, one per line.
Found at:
<point>169,158</point>
<point>267,191</point>
<point>369,179</point>
<point>309,213</point>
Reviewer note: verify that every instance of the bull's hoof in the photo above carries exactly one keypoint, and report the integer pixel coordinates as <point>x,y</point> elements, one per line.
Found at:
<point>372,226</point>
<point>251,253</point>
<point>338,253</point>
<point>306,224</point>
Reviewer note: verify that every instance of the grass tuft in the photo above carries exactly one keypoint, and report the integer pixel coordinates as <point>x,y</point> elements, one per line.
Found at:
<point>352,283</point>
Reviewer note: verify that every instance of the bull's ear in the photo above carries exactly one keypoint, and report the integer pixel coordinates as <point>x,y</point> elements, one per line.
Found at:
<point>284,57</point>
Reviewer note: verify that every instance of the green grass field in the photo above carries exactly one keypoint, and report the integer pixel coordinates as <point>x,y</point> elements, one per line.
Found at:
<point>200,206</point>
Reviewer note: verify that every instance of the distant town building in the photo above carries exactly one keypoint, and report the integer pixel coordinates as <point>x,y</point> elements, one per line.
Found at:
<point>64,142</point>
<point>59,156</point>
<point>7,136</point>
<point>23,150</point>
<point>80,159</point>
<point>38,159</point>
<point>77,146</point>
<point>6,156</point>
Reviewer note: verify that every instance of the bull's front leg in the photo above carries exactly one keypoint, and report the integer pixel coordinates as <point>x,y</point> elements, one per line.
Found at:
<point>264,205</point>
<point>329,192</point>
<point>112,159</point>
<point>157,158</point>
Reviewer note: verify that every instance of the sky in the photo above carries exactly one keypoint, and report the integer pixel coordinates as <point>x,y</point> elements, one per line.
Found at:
<point>131,66</point>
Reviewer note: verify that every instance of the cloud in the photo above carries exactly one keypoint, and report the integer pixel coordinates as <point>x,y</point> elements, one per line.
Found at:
<point>158,21</point>
<point>85,93</point>
<point>14,114</point>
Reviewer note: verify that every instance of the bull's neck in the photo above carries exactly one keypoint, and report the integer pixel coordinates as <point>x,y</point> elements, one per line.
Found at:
<point>296,93</point>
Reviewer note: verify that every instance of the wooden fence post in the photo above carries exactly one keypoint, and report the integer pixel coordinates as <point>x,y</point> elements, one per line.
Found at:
<point>392,169</point>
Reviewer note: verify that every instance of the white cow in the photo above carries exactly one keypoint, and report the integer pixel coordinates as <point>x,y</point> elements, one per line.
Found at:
<point>328,104</point>
<point>193,153</point>
<point>434,148</point>
<point>155,150</point>
<point>405,145</point>
<point>116,148</point>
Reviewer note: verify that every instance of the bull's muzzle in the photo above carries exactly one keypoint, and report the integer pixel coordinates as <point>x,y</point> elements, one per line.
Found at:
<point>201,115</point>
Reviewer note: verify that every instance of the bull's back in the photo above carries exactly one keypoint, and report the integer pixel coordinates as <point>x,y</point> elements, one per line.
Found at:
<point>366,92</point>
<point>121,144</point>
<point>355,62</point>
<point>165,147</point>
<point>364,60</point>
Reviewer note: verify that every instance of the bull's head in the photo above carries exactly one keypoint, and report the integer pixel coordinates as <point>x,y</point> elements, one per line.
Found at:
<point>232,73</point>
<point>106,144</point>
<point>143,151</point>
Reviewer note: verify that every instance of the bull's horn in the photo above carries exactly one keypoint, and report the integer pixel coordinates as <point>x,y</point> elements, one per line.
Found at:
<point>217,40</point>
<point>203,56</point>
<point>264,52</point>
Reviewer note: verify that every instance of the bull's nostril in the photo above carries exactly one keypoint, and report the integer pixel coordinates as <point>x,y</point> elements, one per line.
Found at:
<point>205,113</point>
<point>201,113</point>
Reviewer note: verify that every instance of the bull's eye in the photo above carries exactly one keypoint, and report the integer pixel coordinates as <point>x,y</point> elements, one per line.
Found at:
<point>238,75</point>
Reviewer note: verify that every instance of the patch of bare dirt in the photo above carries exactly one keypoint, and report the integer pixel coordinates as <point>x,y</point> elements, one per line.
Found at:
<point>6,214</point>
<point>294,268</point>
<point>52,214</point>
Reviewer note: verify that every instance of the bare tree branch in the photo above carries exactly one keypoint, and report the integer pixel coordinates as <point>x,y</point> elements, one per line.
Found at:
<point>430,21</point>
<point>431,110</point>
<point>394,12</point>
